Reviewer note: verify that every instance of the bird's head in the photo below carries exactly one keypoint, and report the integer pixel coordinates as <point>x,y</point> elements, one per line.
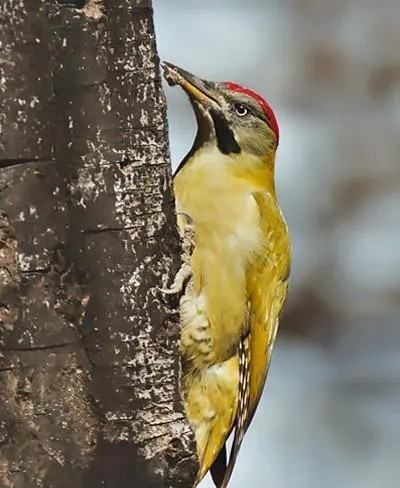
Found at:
<point>232,117</point>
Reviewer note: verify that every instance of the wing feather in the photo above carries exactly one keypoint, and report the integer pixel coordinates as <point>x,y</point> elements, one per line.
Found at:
<point>267,283</point>
<point>267,286</point>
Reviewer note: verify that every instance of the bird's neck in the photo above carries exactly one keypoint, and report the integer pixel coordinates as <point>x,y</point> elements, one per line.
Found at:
<point>209,169</point>
<point>215,191</point>
<point>258,172</point>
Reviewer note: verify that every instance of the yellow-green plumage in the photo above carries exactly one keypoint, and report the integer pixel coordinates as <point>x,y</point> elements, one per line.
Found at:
<point>240,266</point>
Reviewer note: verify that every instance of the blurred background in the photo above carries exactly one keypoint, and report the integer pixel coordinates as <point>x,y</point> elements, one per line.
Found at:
<point>330,416</point>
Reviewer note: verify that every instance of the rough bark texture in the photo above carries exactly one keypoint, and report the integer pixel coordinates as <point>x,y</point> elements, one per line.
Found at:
<point>89,363</point>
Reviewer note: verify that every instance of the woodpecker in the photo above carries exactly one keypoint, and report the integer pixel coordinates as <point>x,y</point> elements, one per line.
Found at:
<point>237,264</point>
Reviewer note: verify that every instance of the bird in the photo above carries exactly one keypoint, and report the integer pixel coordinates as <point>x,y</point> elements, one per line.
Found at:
<point>234,279</point>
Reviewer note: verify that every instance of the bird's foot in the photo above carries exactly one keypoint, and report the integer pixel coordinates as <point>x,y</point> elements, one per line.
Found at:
<point>181,278</point>
<point>184,273</point>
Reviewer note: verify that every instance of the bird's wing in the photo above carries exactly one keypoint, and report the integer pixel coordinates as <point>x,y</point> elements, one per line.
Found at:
<point>267,286</point>
<point>267,283</point>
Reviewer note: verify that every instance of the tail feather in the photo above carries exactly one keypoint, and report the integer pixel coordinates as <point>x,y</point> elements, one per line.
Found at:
<point>243,409</point>
<point>218,469</point>
<point>237,441</point>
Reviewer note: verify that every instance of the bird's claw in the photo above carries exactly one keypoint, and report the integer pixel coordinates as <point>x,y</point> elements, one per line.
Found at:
<point>184,273</point>
<point>182,276</point>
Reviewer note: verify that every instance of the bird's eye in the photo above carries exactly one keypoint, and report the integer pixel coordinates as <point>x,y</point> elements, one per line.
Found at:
<point>241,110</point>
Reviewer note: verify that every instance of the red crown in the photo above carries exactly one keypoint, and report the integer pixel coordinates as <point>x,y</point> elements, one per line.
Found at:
<point>272,122</point>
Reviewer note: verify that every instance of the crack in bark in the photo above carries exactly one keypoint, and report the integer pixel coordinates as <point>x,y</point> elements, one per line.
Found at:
<point>9,368</point>
<point>8,163</point>
<point>165,422</point>
<point>154,437</point>
<point>50,347</point>
<point>34,271</point>
<point>108,229</point>
<point>44,449</point>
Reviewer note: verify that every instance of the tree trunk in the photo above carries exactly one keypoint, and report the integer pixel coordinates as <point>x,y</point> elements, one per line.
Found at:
<point>89,360</point>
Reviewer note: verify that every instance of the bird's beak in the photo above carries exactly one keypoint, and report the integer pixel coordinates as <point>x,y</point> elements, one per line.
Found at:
<point>197,89</point>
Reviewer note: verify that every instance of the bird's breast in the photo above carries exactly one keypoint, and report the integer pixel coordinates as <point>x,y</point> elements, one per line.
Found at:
<point>227,234</point>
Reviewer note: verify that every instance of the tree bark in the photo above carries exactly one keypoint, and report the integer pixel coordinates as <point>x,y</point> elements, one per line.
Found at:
<point>89,360</point>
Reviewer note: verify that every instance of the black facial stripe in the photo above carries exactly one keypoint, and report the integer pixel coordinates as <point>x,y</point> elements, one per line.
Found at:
<point>225,137</point>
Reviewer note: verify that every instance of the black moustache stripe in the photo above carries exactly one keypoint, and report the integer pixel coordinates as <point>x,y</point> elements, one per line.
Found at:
<point>225,137</point>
